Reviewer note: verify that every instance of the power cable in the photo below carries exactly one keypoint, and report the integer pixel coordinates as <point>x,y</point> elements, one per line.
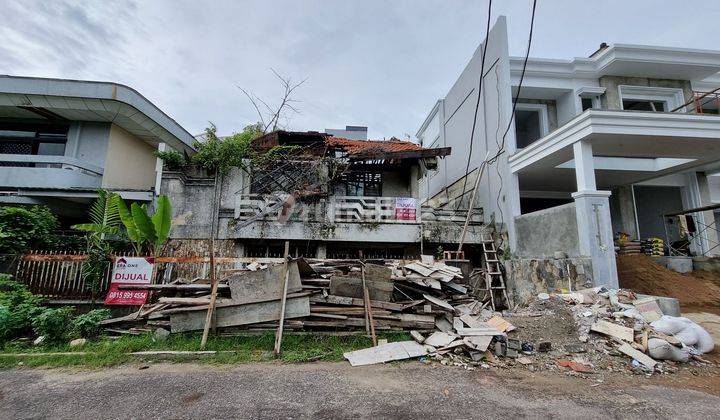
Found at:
<point>512,116</point>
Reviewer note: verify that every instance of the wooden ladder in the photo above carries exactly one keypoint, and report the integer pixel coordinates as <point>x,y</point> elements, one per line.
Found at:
<point>494,277</point>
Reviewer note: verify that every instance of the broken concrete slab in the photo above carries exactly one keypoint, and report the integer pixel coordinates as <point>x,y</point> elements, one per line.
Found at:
<point>641,357</point>
<point>261,285</point>
<point>353,287</point>
<point>440,339</point>
<point>241,314</point>
<point>386,353</point>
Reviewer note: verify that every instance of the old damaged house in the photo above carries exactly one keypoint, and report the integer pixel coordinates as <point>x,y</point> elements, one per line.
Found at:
<point>331,197</point>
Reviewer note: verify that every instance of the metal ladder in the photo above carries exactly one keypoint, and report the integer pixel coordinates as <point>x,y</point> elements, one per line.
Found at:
<point>494,277</point>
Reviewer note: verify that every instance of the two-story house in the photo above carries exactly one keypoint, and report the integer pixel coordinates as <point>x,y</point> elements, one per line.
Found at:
<point>62,140</point>
<point>586,147</point>
<point>331,197</point>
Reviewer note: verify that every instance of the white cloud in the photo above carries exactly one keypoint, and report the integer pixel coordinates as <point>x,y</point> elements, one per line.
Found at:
<point>376,63</point>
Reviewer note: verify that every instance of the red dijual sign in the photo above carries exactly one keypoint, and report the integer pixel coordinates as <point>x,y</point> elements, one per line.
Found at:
<point>130,270</point>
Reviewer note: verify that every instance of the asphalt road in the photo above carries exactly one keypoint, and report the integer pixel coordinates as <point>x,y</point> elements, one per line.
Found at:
<point>334,390</point>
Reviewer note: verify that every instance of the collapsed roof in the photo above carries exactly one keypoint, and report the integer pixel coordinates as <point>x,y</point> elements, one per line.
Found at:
<point>317,144</point>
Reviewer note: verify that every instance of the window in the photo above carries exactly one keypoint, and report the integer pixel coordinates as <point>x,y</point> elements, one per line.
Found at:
<point>587,103</point>
<point>650,98</point>
<point>362,184</point>
<point>32,139</point>
<point>530,123</point>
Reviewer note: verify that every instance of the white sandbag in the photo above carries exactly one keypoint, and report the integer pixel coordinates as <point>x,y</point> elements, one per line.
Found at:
<point>670,324</point>
<point>660,349</point>
<point>687,331</point>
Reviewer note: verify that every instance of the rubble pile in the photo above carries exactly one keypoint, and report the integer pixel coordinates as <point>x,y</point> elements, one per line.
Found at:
<point>325,295</point>
<point>583,332</point>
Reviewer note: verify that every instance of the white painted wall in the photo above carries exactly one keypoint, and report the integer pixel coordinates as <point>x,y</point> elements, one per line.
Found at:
<point>457,111</point>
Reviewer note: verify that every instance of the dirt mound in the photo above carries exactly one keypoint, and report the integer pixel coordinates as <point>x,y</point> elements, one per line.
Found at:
<point>643,275</point>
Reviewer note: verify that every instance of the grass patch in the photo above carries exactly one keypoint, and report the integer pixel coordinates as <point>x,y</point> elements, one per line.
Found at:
<point>103,352</point>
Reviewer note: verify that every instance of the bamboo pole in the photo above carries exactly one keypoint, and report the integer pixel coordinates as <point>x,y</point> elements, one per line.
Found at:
<point>472,202</point>
<point>213,279</point>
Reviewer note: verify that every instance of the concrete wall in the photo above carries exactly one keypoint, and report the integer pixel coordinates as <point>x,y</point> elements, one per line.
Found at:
<point>458,111</point>
<point>611,98</point>
<point>542,233</point>
<point>130,162</point>
<point>397,184</point>
<point>88,141</point>
<point>528,277</point>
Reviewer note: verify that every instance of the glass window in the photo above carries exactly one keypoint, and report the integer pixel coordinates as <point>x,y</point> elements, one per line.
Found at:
<point>32,139</point>
<point>587,103</point>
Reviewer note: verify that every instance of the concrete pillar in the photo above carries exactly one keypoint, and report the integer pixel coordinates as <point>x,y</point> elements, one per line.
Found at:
<point>595,236</point>
<point>321,252</point>
<point>415,182</point>
<point>513,197</point>
<point>159,169</point>
<point>584,166</point>
<point>239,252</point>
<point>592,212</point>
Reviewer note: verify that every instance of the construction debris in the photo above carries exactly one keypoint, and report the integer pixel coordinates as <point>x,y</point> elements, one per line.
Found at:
<point>578,332</point>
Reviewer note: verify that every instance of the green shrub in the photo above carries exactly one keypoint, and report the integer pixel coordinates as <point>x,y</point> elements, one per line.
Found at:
<point>26,227</point>
<point>17,308</point>
<point>220,154</point>
<point>55,324</point>
<point>172,160</point>
<point>86,325</point>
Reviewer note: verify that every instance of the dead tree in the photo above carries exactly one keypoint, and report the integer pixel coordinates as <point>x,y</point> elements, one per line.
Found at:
<point>270,118</point>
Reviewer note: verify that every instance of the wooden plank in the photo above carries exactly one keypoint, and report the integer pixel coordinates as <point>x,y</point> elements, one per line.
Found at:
<point>185,300</point>
<point>178,287</point>
<point>613,330</point>
<point>283,300</point>
<point>349,301</point>
<point>385,353</point>
<point>251,313</point>
<point>641,357</point>
<point>501,324</point>
<point>214,282</point>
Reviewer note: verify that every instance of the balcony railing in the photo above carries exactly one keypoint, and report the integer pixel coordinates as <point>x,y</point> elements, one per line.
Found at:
<point>48,161</point>
<point>41,171</point>
<point>348,209</point>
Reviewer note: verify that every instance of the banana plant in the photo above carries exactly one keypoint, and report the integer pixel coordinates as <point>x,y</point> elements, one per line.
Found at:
<point>147,231</point>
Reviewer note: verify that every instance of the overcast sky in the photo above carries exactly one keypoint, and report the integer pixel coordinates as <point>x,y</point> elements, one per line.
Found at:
<point>377,63</point>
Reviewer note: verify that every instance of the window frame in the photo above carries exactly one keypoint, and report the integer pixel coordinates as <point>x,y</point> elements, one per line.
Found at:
<point>672,97</point>
<point>542,109</point>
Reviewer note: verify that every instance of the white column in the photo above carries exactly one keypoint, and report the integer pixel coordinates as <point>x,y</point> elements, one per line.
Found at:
<point>513,197</point>
<point>584,166</point>
<point>592,212</point>
<point>159,169</point>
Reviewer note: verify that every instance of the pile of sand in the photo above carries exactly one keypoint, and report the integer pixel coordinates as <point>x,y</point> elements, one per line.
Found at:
<point>643,275</point>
